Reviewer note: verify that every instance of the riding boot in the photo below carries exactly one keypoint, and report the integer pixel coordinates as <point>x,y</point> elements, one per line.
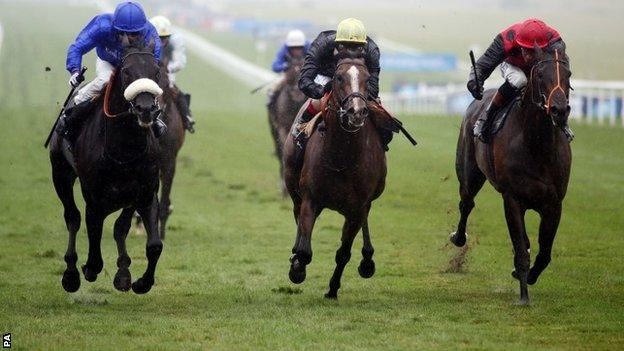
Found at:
<point>568,132</point>
<point>386,137</point>
<point>159,128</point>
<point>301,138</point>
<point>482,125</point>
<point>71,120</point>
<point>183,102</point>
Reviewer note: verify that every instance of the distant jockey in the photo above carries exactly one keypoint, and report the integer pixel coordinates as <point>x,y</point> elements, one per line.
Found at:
<point>295,45</point>
<point>514,50</point>
<point>104,33</point>
<point>174,56</point>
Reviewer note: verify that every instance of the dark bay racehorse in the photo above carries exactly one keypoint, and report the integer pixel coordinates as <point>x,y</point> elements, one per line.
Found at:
<point>344,169</point>
<point>528,162</point>
<point>116,159</point>
<point>287,102</point>
<point>170,144</point>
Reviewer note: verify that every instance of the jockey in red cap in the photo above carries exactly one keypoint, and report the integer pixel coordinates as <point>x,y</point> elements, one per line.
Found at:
<point>514,50</point>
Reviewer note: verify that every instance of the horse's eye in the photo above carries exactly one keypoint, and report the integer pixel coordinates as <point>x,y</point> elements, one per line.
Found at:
<point>339,79</point>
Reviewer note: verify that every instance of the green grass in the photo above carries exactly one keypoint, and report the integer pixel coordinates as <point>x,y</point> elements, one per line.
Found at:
<point>222,279</point>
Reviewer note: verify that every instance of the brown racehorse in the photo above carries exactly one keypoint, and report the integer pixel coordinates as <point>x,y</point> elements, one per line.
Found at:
<point>528,162</point>
<point>283,111</point>
<point>170,144</point>
<point>344,169</point>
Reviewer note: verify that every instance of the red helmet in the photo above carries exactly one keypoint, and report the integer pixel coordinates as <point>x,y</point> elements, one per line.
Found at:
<point>533,31</point>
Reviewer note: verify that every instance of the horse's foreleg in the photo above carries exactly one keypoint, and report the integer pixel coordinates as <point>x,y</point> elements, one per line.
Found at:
<point>123,278</point>
<point>166,181</point>
<point>94,264</point>
<point>547,231</point>
<point>471,180</point>
<point>343,254</point>
<point>153,247</point>
<point>367,265</point>
<point>514,213</point>
<point>63,179</point>
<point>302,254</point>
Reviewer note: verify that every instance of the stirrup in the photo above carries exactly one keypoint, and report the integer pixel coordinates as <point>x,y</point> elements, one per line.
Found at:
<point>568,133</point>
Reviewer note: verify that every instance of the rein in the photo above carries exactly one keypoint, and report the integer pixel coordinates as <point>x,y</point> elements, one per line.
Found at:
<point>546,100</point>
<point>109,88</point>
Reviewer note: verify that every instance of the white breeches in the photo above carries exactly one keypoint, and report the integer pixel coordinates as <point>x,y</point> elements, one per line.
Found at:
<point>103,72</point>
<point>514,75</point>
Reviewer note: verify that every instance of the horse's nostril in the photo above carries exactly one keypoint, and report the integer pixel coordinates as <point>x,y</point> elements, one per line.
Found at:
<point>365,112</point>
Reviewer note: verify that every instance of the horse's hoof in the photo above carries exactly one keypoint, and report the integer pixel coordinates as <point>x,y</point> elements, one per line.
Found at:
<point>123,280</point>
<point>142,285</point>
<point>524,302</point>
<point>366,268</point>
<point>532,279</point>
<point>457,240</point>
<point>71,280</point>
<point>297,272</point>
<point>333,295</point>
<point>89,274</point>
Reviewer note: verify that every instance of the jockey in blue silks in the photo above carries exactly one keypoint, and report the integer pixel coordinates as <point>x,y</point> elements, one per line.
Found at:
<point>104,33</point>
<point>295,40</point>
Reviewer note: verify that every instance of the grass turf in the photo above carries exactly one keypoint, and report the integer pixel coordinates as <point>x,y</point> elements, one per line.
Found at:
<point>222,279</point>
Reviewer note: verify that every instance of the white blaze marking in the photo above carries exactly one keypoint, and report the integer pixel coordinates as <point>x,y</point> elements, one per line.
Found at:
<point>354,73</point>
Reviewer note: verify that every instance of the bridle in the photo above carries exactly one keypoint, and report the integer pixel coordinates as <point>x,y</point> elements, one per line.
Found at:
<point>342,111</point>
<point>131,110</point>
<point>544,101</point>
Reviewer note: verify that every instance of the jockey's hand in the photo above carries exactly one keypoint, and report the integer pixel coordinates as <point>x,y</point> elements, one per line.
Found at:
<point>75,79</point>
<point>476,89</point>
<point>327,88</point>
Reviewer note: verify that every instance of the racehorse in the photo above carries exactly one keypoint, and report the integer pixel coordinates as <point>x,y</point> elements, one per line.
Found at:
<point>284,109</point>
<point>344,169</point>
<point>116,159</point>
<point>528,162</point>
<point>170,144</point>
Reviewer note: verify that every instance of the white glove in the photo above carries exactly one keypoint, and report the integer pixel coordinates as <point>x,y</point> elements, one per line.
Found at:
<point>75,79</point>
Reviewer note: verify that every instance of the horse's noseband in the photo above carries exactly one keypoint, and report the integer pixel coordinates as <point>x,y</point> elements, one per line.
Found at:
<point>343,111</point>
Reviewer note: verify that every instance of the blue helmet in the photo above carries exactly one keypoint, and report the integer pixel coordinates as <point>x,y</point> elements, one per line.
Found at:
<point>129,17</point>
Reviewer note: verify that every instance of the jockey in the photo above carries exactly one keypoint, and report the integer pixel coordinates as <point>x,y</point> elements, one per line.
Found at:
<point>174,56</point>
<point>320,65</point>
<point>514,50</point>
<point>104,33</point>
<point>295,43</point>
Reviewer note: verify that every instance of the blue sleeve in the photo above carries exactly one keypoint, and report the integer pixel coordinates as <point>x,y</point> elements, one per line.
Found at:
<point>86,40</point>
<point>152,34</point>
<point>280,60</point>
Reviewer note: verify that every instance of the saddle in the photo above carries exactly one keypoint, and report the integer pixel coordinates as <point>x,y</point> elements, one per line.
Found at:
<point>501,116</point>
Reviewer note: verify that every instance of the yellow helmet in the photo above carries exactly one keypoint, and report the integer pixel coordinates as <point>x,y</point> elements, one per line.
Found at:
<point>162,24</point>
<point>351,30</point>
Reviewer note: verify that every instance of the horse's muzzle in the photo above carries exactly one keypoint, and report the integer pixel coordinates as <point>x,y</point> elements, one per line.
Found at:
<point>145,107</point>
<point>559,114</point>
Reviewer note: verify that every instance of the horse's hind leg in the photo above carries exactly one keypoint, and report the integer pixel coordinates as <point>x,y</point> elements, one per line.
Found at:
<point>367,265</point>
<point>165,209</point>
<point>153,247</point>
<point>123,279</point>
<point>64,178</point>
<point>471,180</point>
<point>350,229</point>
<point>547,231</point>
<point>514,214</point>
<point>302,251</point>
<point>94,264</point>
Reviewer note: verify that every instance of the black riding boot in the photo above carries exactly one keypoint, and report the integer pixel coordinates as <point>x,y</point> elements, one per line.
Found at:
<point>386,137</point>
<point>184,101</point>
<point>71,120</point>
<point>482,126</point>
<point>159,128</point>
<point>568,132</point>
<point>301,138</point>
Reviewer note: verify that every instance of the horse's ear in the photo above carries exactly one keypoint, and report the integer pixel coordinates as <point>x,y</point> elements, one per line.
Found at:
<point>125,42</point>
<point>151,45</point>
